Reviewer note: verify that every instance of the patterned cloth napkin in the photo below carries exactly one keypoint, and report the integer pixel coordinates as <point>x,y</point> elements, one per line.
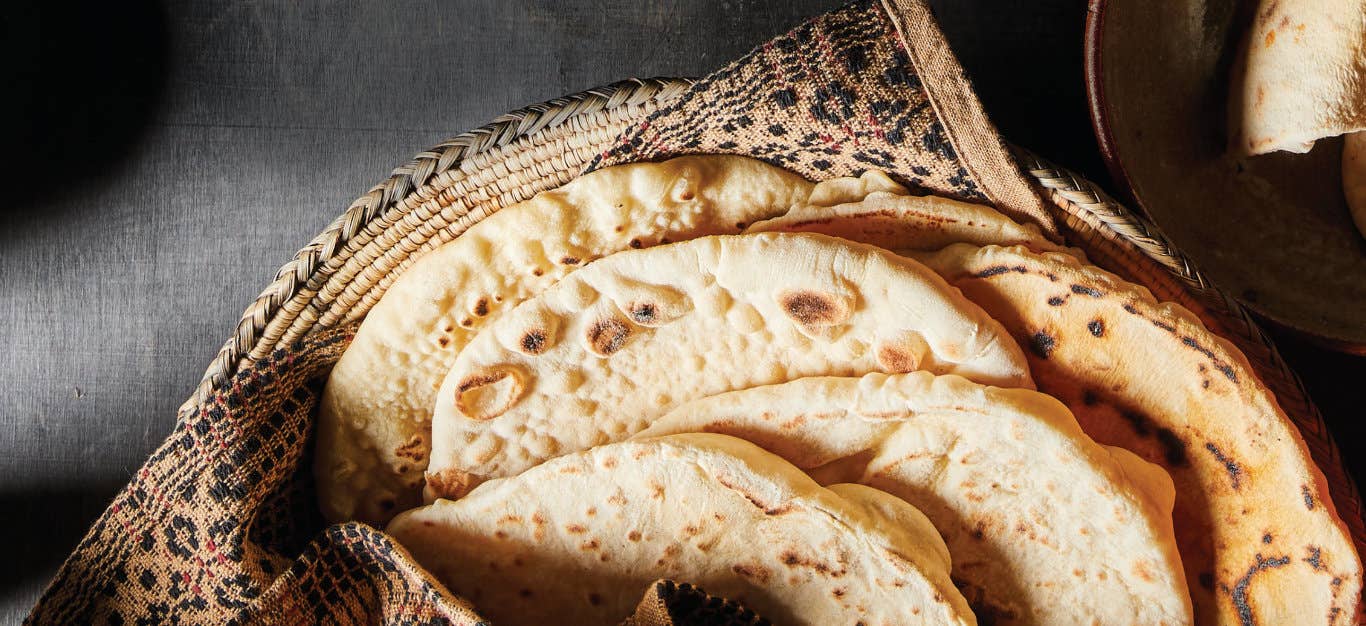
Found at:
<point>220,524</point>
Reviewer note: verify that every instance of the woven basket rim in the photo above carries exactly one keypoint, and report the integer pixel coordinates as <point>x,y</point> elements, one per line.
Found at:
<point>290,297</point>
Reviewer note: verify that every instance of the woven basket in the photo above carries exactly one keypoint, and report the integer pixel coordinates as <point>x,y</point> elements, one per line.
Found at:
<point>338,276</point>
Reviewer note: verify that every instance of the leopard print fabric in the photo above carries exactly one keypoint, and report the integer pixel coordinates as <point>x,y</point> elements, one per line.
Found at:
<point>835,96</point>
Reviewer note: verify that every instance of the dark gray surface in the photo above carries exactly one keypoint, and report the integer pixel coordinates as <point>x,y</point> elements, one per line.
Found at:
<point>167,159</point>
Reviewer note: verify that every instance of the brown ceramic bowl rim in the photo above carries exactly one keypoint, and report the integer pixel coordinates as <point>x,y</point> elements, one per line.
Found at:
<point>1093,66</point>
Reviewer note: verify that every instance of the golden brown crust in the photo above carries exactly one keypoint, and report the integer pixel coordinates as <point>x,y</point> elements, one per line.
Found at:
<point>381,392</point>
<point>723,312</point>
<point>1044,525</point>
<point>1251,505</point>
<point>585,534</point>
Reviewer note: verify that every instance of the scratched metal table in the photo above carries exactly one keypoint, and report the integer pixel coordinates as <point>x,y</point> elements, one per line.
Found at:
<point>163,160</point>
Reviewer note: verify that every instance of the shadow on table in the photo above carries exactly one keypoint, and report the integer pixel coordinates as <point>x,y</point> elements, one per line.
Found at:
<point>44,524</point>
<point>82,82</point>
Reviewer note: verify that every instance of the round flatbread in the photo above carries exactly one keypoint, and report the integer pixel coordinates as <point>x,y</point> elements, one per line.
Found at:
<point>1300,75</point>
<point>572,541</point>
<point>1354,177</point>
<point>1257,531</point>
<point>596,357</point>
<point>374,422</point>
<point>875,210</point>
<point>1044,525</point>
<point>843,190</point>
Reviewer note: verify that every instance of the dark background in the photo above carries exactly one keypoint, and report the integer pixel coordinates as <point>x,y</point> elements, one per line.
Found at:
<point>162,160</point>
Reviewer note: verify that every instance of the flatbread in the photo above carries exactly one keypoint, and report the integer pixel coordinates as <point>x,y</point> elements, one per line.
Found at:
<point>1258,534</point>
<point>1354,177</point>
<point>572,541</point>
<point>1044,525</point>
<point>846,189</point>
<point>597,356</point>
<point>374,421</point>
<point>1300,76</point>
<point>874,210</point>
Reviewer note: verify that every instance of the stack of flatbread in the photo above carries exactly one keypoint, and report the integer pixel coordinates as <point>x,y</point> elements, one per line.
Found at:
<point>836,403</point>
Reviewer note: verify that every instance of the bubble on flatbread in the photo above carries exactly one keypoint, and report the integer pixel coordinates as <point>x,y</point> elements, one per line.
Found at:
<point>607,335</point>
<point>685,188</point>
<point>904,353</point>
<point>745,319</point>
<point>533,331</point>
<point>489,393</point>
<point>481,307</point>
<point>815,311</point>
<point>651,305</point>
<point>534,341</point>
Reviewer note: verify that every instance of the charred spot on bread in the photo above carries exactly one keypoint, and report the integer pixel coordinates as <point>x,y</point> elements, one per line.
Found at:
<point>608,335</point>
<point>644,312</point>
<point>1086,291</point>
<point>1238,593</point>
<point>894,358</point>
<point>533,342</point>
<point>1315,558</point>
<point>814,309</point>
<point>1042,344</point>
<point>1235,471</point>
<point>415,448</point>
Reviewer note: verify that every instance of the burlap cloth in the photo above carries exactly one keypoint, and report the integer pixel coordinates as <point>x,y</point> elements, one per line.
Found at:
<point>220,525</point>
